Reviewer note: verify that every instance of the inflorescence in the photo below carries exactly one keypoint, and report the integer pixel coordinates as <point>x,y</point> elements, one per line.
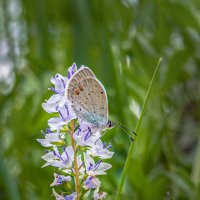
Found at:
<point>74,147</point>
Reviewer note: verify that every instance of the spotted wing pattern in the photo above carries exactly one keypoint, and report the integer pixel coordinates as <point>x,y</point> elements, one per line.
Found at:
<point>88,98</point>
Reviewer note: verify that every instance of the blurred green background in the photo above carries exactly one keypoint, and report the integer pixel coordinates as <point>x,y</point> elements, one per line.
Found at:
<point>121,41</point>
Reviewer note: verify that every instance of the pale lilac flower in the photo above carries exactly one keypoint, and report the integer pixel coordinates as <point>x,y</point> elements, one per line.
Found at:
<point>100,150</point>
<point>50,137</point>
<point>71,70</point>
<point>81,168</point>
<point>51,104</point>
<point>99,195</point>
<point>66,114</point>
<point>64,160</point>
<point>59,179</point>
<point>71,196</point>
<point>86,135</point>
<point>91,183</point>
<point>93,169</point>
<point>59,99</point>
<point>57,196</point>
<point>62,197</point>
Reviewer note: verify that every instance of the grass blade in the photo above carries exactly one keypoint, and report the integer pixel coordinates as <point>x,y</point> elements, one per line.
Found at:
<point>129,156</point>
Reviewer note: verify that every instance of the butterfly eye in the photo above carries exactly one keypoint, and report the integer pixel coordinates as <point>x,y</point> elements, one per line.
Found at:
<point>109,124</point>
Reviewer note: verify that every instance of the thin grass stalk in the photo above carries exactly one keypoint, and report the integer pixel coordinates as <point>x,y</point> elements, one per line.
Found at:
<point>130,153</point>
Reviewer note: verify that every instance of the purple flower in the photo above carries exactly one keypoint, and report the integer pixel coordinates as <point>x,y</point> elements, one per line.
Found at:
<point>86,135</point>
<point>59,99</point>
<point>71,196</point>
<point>59,179</point>
<point>91,183</point>
<point>57,196</point>
<point>99,195</point>
<point>99,149</point>
<point>50,137</point>
<point>54,158</point>
<point>66,114</point>
<point>71,70</point>
<point>62,197</point>
<point>93,169</point>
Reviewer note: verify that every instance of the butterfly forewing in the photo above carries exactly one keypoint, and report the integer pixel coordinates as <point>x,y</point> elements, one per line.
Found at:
<point>79,76</point>
<point>88,98</point>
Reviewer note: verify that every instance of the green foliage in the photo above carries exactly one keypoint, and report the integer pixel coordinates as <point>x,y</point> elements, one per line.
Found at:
<point>121,41</point>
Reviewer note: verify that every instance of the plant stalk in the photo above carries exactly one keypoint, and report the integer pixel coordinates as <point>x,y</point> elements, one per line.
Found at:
<point>76,170</point>
<point>130,153</point>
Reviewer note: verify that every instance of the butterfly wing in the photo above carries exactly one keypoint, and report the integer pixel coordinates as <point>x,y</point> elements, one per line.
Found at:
<point>88,98</point>
<point>80,75</point>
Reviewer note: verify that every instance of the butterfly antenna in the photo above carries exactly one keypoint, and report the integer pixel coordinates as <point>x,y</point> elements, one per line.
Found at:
<point>122,125</point>
<point>125,131</point>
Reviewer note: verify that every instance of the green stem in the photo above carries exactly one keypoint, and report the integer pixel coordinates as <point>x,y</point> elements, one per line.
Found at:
<point>76,170</point>
<point>130,153</point>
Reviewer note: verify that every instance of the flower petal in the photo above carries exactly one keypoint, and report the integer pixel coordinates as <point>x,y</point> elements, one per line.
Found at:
<point>88,162</point>
<point>49,107</point>
<point>91,183</point>
<point>102,168</point>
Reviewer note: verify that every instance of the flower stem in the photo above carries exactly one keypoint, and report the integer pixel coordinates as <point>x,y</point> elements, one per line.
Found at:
<point>130,153</point>
<point>76,170</point>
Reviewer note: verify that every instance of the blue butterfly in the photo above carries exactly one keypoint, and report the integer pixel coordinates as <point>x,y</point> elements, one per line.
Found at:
<point>89,100</point>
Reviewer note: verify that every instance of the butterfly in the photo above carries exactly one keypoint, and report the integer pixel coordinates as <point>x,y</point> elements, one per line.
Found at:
<point>89,99</point>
